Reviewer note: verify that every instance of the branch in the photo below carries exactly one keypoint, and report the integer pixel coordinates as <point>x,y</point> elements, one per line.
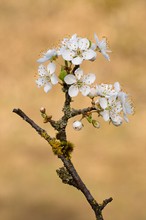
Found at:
<point>83,111</point>
<point>28,120</point>
<point>76,180</point>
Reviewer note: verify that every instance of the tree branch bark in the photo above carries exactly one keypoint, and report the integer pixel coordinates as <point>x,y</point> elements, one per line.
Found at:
<point>97,208</point>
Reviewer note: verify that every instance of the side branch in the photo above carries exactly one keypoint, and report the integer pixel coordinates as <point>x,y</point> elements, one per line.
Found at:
<point>28,120</point>
<point>83,111</point>
<point>40,131</point>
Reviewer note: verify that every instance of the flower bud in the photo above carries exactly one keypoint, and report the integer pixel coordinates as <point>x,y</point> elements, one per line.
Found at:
<point>95,124</point>
<point>43,110</point>
<point>77,125</point>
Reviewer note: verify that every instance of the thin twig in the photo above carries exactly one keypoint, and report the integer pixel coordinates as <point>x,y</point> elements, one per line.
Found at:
<point>28,120</point>
<point>83,111</point>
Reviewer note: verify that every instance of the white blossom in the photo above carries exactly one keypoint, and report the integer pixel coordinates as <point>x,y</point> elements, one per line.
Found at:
<point>47,76</point>
<point>77,49</point>
<point>111,108</point>
<point>113,103</point>
<point>102,47</point>
<point>79,82</point>
<point>107,90</point>
<point>77,125</point>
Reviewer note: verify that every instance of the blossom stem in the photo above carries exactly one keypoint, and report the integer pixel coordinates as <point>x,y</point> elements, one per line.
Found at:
<point>75,68</point>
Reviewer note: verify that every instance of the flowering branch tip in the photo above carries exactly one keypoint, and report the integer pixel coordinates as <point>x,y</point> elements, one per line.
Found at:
<point>108,101</point>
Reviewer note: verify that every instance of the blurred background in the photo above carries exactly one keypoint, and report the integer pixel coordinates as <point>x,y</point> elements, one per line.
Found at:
<point>111,160</point>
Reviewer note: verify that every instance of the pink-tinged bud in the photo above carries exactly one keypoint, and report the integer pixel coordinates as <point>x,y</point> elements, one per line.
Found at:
<point>77,125</point>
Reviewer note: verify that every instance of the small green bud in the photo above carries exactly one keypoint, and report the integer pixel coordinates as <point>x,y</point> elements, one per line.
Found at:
<point>95,123</point>
<point>44,115</point>
<point>89,118</point>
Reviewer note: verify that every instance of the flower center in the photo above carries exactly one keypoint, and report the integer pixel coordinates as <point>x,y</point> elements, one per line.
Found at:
<point>78,52</point>
<point>47,78</point>
<point>79,83</point>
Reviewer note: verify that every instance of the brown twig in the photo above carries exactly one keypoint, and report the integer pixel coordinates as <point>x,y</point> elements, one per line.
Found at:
<point>83,111</point>
<point>78,183</point>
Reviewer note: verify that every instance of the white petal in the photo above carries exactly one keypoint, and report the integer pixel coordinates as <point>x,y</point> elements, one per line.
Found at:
<point>93,93</point>
<point>117,106</point>
<point>102,44</point>
<point>40,82</point>
<point>50,53</point>
<point>54,79</point>
<point>89,78</point>
<point>42,59</point>
<point>117,86</point>
<point>99,90</point>
<point>89,54</point>
<point>77,60</point>
<point>125,118</point>
<point>112,99</point>
<point>73,44</point>
<point>47,87</point>
<point>103,103</point>
<point>68,55</point>
<point>42,70</point>
<point>84,43</point>
<point>96,39</point>
<point>64,41</point>
<point>73,37</point>
<point>105,115</point>
<point>61,50</point>
<point>70,79</point>
<point>51,68</point>
<point>85,90</point>
<point>129,108</point>
<point>79,73</point>
<point>73,91</point>
<point>105,55</point>
<point>122,96</point>
<point>116,120</point>
<point>47,56</point>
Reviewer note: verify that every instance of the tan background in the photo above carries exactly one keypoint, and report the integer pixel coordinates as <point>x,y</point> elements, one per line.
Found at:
<point>112,161</point>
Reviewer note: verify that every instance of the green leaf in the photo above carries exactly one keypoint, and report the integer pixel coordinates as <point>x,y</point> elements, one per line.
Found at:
<point>89,118</point>
<point>90,43</point>
<point>62,74</point>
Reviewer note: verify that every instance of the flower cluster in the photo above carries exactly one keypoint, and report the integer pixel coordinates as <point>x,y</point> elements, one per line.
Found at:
<point>73,50</point>
<point>112,103</point>
<point>77,49</point>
